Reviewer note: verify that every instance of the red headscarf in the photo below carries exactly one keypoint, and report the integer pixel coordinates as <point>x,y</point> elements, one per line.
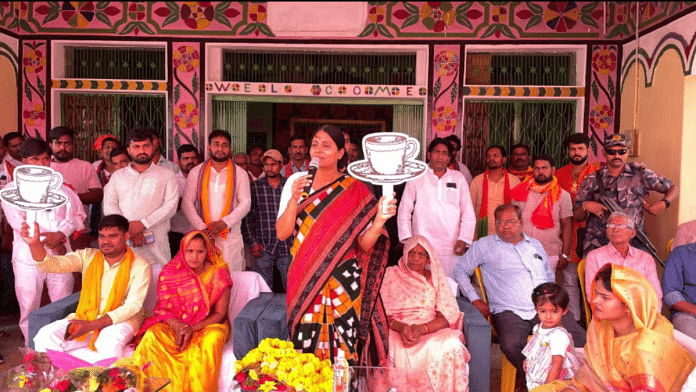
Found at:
<point>183,294</point>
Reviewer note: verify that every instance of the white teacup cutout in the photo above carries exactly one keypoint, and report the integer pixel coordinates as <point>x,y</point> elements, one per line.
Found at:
<point>36,188</point>
<point>35,183</point>
<point>388,152</point>
<point>390,157</point>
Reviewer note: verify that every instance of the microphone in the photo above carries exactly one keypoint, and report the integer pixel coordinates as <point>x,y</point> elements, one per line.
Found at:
<point>313,166</point>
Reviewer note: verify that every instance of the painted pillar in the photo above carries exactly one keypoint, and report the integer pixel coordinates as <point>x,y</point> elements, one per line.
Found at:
<point>33,75</point>
<point>602,106</point>
<point>445,90</point>
<point>186,97</point>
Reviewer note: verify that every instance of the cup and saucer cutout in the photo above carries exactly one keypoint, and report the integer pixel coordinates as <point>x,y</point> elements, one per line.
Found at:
<point>52,200</point>
<point>363,171</point>
<point>37,188</point>
<point>389,159</point>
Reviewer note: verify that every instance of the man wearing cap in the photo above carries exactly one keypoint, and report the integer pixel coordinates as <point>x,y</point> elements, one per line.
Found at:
<point>217,198</point>
<point>628,184</point>
<point>259,225</point>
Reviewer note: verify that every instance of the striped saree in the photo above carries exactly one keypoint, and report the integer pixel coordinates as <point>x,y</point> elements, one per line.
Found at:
<point>333,285</point>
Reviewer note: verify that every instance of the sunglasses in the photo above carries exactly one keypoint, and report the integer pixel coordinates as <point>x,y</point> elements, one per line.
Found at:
<point>621,151</point>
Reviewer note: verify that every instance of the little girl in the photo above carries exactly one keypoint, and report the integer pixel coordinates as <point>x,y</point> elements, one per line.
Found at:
<point>550,351</point>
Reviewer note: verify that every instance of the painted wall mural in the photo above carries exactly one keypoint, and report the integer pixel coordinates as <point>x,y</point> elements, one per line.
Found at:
<point>173,18</point>
<point>679,36</point>
<point>601,25</point>
<point>186,93</point>
<point>386,20</point>
<point>621,16</point>
<point>33,83</point>
<point>445,89</point>
<point>603,95</point>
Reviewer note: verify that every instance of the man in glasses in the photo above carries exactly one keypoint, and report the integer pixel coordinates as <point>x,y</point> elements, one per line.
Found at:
<point>620,231</point>
<point>628,184</point>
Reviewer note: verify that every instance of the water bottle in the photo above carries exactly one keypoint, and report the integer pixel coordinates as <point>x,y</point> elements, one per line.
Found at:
<point>341,369</point>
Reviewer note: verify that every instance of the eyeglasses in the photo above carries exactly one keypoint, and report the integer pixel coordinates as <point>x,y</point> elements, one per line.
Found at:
<point>615,226</point>
<point>506,222</point>
<point>621,151</point>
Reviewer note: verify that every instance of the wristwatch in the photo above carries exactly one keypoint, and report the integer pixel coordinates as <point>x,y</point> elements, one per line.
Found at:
<point>565,256</point>
<point>667,203</point>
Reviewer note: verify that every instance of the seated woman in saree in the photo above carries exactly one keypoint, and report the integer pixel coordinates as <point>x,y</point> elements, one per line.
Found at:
<point>425,324</point>
<point>185,337</point>
<point>630,345</point>
<point>338,258</point>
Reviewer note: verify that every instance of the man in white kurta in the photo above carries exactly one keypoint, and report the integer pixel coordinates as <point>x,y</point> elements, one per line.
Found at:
<point>232,247</point>
<point>57,225</point>
<point>147,195</point>
<point>438,207</point>
<point>115,326</point>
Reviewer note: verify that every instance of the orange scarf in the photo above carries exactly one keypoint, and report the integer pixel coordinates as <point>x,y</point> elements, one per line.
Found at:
<point>542,218</point>
<point>90,297</point>
<point>484,197</point>
<point>10,170</point>
<point>523,175</point>
<point>204,192</point>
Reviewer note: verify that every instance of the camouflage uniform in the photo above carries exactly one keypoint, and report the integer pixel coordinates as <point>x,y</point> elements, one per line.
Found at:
<point>629,190</point>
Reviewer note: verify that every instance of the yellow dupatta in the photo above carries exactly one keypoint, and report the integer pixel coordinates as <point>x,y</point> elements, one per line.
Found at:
<point>649,359</point>
<point>204,185</point>
<point>90,297</point>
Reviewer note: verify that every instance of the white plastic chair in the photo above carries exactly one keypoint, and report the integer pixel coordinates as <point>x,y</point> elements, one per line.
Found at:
<point>246,285</point>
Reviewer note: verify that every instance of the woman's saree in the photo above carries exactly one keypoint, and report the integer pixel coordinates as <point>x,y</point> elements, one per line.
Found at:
<point>188,297</point>
<point>333,285</point>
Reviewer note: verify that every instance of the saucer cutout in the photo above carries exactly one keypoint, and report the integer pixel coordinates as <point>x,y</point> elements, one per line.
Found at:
<point>363,171</point>
<point>54,200</point>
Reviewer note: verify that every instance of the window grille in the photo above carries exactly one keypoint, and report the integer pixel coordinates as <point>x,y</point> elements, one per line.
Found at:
<point>231,116</point>
<point>541,124</point>
<point>320,68</point>
<point>132,63</point>
<point>92,115</point>
<point>520,69</point>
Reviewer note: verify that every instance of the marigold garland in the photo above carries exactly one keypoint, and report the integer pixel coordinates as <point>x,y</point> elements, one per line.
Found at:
<point>275,365</point>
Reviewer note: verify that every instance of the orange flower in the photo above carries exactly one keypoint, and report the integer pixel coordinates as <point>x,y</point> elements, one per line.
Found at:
<point>34,61</point>
<point>197,15</point>
<point>257,13</point>
<point>186,59</point>
<point>376,14</point>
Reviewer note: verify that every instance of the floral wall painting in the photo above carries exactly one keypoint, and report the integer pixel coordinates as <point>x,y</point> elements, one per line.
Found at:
<point>33,84</point>
<point>679,35</point>
<point>445,89</point>
<point>186,66</point>
<point>385,20</point>
<point>603,94</point>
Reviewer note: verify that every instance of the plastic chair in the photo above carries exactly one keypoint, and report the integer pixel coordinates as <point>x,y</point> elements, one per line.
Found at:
<point>581,276</point>
<point>669,246</point>
<point>508,372</point>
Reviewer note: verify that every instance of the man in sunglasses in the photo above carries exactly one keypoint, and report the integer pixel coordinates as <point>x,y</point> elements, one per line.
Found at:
<point>628,184</point>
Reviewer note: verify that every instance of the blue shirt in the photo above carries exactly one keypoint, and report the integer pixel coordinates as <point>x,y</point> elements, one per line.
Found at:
<point>260,224</point>
<point>679,281</point>
<point>510,273</point>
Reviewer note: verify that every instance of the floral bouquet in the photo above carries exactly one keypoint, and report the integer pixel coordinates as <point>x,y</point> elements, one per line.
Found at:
<point>275,365</point>
<point>63,381</point>
<point>123,376</point>
<point>33,374</point>
<point>23,378</point>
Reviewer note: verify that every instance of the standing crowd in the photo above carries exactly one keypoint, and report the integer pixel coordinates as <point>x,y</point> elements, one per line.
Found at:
<point>380,290</point>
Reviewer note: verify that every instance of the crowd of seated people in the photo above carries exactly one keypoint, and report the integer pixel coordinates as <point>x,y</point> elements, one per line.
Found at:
<point>169,235</point>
